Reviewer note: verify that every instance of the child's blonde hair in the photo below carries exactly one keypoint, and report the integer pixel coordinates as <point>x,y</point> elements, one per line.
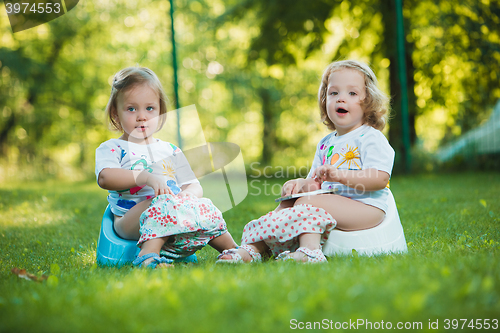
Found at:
<point>127,79</point>
<point>375,104</point>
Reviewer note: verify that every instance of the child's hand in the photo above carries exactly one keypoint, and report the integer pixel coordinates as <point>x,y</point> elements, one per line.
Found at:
<point>326,173</point>
<point>186,194</point>
<point>158,184</point>
<point>292,187</point>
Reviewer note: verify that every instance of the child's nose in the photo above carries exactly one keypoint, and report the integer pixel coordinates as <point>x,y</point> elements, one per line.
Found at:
<point>141,115</point>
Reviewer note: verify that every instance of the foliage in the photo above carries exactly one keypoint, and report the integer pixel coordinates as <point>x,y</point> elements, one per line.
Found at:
<point>451,271</point>
<point>451,49</point>
<point>251,68</point>
<point>457,47</point>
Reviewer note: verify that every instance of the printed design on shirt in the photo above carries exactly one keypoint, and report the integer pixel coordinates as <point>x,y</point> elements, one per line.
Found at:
<point>127,204</point>
<point>168,168</point>
<point>330,155</point>
<point>175,148</point>
<point>350,156</point>
<point>323,147</point>
<point>123,153</point>
<point>330,150</point>
<point>334,159</point>
<point>136,189</point>
<point>173,186</point>
<point>145,166</point>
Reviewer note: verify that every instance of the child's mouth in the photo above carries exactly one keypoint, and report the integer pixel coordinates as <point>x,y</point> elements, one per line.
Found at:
<point>341,110</point>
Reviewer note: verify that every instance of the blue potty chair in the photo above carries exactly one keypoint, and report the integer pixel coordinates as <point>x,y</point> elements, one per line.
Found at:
<point>112,250</point>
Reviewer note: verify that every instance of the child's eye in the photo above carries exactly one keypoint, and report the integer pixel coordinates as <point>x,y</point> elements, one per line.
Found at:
<point>352,93</point>
<point>150,108</point>
<point>333,93</point>
<point>131,109</point>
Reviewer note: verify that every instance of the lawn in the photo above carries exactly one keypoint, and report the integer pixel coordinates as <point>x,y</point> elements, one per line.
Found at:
<point>451,271</point>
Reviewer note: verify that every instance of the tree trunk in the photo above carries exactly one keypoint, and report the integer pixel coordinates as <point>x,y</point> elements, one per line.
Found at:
<point>8,126</point>
<point>269,127</point>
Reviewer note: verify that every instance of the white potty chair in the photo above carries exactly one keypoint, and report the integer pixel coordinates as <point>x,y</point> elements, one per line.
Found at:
<point>387,237</point>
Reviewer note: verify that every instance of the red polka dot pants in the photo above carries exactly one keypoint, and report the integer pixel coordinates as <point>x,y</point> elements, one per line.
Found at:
<point>280,230</point>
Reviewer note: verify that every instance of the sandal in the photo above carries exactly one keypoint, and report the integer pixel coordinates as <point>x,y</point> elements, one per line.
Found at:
<point>156,260</point>
<point>236,257</point>
<point>313,256</point>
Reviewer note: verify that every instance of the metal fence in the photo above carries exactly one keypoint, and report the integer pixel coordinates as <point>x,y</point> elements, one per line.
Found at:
<point>482,140</point>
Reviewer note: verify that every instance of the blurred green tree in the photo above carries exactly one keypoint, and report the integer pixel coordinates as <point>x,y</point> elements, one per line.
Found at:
<point>252,68</point>
<point>34,92</point>
<point>452,53</point>
<point>369,26</point>
<point>457,61</point>
<point>55,83</point>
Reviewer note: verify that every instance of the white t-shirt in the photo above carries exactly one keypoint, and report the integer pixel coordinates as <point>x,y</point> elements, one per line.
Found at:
<point>160,158</point>
<point>361,149</point>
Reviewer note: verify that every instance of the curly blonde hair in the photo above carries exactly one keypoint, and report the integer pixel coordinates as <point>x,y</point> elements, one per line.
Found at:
<point>127,79</point>
<point>375,104</point>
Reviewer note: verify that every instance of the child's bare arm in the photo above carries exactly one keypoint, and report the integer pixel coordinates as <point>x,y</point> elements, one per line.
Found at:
<point>369,179</point>
<point>116,179</point>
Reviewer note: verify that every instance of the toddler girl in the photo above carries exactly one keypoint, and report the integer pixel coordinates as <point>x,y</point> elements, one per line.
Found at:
<point>153,193</point>
<point>355,159</point>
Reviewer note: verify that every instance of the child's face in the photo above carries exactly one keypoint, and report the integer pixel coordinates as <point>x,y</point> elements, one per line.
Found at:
<point>346,91</point>
<point>138,110</point>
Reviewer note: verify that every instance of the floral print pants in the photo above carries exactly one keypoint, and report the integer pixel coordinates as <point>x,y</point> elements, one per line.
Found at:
<point>190,223</point>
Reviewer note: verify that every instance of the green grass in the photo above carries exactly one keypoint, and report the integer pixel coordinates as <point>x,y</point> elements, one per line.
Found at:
<point>451,271</point>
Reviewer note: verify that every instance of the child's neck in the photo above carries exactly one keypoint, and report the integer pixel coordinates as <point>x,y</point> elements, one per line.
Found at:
<point>342,131</point>
<point>140,141</point>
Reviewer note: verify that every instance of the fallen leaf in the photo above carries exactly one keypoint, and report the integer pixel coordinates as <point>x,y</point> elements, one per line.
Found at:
<point>483,202</point>
<point>23,274</point>
<point>54,269</point>
<point>52,281</point>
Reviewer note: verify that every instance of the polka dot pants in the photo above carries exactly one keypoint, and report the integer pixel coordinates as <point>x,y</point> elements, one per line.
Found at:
<point>280,230</point>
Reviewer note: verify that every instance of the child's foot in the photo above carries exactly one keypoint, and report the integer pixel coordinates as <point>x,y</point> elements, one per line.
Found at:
<point>152,260</point>
<point>234,256</point>
<point>296,256</point>
<point>244,253</point>
<point>303,254</point>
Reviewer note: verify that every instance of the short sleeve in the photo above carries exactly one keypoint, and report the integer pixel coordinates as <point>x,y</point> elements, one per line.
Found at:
<point>183,172</point>
<point>107,155</point>
<point>377,153</point>
<point>317,157</point>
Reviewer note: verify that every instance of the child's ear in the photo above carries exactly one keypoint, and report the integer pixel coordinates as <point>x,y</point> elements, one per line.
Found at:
<point>114,115</point>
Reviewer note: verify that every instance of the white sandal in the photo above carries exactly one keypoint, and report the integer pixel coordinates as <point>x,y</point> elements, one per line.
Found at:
<point>313,256</point>
<point>236,257</point>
